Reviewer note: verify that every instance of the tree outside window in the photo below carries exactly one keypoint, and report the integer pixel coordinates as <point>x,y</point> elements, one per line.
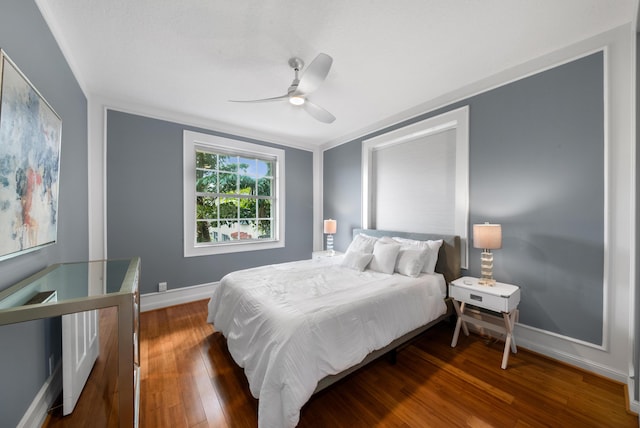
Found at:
<point>234,197</point>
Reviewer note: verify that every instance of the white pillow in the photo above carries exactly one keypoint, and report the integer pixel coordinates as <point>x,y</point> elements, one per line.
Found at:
<point>384,257</point>
<point>363,243</point>
<point>430,264</point>
<point>356,260</point>
<point>410,260</point>
<point>432,246</point>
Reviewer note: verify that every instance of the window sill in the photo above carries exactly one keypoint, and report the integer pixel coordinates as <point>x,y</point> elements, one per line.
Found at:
<point>239,247</point>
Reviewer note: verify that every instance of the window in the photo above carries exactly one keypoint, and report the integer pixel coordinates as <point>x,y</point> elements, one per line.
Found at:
<point>233,195</point>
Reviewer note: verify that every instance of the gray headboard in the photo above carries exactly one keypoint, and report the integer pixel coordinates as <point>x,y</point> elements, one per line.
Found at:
<point>448,257</point>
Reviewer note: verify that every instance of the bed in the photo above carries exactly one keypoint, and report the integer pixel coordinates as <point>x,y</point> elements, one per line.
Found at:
<point>296,328</point>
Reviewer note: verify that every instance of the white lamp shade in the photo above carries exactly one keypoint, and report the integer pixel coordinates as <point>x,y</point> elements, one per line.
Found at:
<point>330,226</point>
<point>487,236</point>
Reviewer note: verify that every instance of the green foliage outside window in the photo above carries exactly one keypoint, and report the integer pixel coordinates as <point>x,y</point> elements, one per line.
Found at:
<point>231,191</point>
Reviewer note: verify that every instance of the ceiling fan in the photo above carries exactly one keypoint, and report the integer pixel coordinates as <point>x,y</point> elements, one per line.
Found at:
<point>301,87</point>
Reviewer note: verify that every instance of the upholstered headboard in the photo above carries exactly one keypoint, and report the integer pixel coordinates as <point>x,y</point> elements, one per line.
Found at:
<point>448,257</point>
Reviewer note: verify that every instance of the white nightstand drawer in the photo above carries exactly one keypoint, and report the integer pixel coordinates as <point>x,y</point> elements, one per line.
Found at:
<point>499,298</point>
<point>473,297</point>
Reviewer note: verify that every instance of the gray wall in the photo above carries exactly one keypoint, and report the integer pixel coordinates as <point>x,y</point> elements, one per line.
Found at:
<point>536,165</point>
<point>24,357</point>
<point>144,205</point>
<point>342,190</point>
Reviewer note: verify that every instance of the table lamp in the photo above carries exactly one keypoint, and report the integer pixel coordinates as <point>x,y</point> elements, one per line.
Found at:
<point>488,237</point>
<point>330,227</point>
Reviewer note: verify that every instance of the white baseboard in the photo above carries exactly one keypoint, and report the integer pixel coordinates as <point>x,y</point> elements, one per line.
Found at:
<point>44,399</point>
<point>177,296</point>
<point>546,348</point>
<point>634,405</point>
<point>571,359</point>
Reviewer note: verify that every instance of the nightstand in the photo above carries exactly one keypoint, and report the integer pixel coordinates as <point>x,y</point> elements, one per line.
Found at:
<point>500,298</point>
<point>325,253</point>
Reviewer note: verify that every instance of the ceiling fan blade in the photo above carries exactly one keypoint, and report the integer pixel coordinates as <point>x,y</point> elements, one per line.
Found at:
<point>314,74</point>
<point>263,100</point>
<point>318,112</point>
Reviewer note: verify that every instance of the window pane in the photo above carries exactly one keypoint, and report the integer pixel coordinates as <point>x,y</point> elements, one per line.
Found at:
<point>252,230</point>
<point>264,229</point>
<point>214,229</point>
<point>205,160</point>
<point>264,208</point>
<point>247,185</point>
<point>265,168</point>
<point>229,208</point>
<point>247,166</point>
<point>228,182</point>
<point>207,231</point>
<point>247,208</point>
<point>244,232</point>
<point>206,181</point>
<point>227,230</point>
<point>264,186</point>
<point>206,208</point>
<point>227,163</point>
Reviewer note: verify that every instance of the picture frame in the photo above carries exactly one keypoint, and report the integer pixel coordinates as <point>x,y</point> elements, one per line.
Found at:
<point>30,143</point>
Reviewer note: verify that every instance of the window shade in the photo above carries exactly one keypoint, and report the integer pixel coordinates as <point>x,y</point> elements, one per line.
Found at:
<point>413,184</point>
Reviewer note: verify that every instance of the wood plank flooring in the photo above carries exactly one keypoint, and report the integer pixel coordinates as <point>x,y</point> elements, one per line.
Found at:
<point>190,380</point>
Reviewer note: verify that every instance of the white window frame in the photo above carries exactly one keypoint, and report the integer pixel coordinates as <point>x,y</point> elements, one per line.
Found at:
<point>193,140</point>
<point>456,119</point>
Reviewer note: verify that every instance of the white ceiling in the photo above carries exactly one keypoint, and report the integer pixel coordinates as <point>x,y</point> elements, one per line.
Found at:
<point>187,58</point>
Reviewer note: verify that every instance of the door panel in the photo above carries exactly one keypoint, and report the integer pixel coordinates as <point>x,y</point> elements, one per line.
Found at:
<point>80,349</point>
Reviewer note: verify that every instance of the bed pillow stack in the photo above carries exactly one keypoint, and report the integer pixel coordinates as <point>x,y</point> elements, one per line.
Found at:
<point>408,257</point>
<point>431,249</point>
<point>385,254</point>
<point>411,260</point>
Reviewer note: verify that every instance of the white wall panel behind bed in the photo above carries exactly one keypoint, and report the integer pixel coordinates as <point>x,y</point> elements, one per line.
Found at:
<point>416,178</point>
<point>405,191</point>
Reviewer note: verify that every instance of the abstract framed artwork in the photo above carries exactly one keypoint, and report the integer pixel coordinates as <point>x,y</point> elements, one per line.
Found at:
<point>30,139</point>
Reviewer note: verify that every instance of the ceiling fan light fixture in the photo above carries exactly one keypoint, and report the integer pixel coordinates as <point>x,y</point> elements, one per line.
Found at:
<point>296,100</point>
<point>301,87</point>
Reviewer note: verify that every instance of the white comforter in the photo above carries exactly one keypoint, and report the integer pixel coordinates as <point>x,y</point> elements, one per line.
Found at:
<point>289,325</point>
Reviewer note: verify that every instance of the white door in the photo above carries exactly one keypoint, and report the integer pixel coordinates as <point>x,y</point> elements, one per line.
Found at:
<point>80,349</point>
<point>80,342</point>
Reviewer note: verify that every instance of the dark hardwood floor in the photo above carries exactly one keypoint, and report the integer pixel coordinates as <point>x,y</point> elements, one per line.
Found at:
<point>189,380</point>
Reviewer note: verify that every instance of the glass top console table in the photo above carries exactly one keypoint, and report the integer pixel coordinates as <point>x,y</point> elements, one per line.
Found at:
<point>82,287</point>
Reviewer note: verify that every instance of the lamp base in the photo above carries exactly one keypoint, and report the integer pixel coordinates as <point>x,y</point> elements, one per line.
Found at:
<point>330,244</point>
<point>489,282</point>
<point>486,269</point>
